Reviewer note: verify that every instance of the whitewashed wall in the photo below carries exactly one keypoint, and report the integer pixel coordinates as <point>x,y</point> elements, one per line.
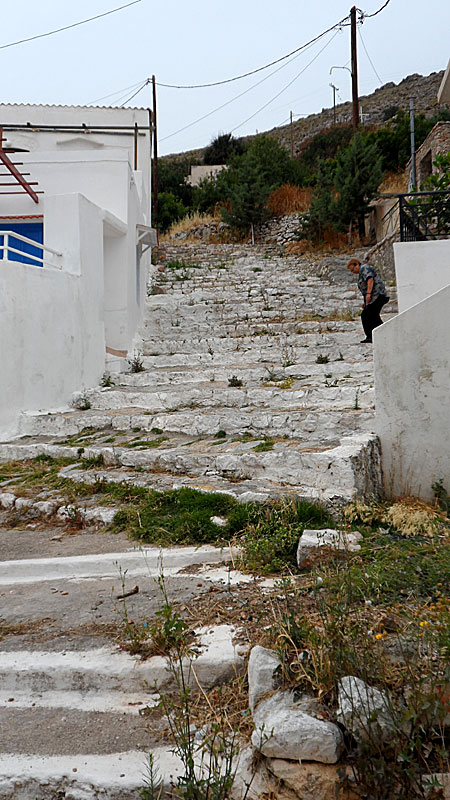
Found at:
<point>51,321</point>
<point>412,374</point>
<point>421,269</point>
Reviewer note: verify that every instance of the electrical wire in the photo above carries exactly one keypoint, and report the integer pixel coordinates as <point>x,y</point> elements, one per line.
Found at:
<point>285,87</point>
<point>227,103</point>
<point>367,16</point>
<point>367,54</point>
<point>66,27</point>
<point>146,83</point>
<point>338,25</point>
<point>119,91</point>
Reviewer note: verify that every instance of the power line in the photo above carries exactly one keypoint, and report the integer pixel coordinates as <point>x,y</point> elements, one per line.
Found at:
<point>285,87</point>
<point>367,16</point>
<point>227,103</point>
<point>146,82</point>
<point>66,27</point>
<point>339,25</point>
<point>118,91</point>
<point>367,54</point>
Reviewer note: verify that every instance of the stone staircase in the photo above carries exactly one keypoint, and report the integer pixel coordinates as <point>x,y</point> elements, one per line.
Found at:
<point>252,382</point>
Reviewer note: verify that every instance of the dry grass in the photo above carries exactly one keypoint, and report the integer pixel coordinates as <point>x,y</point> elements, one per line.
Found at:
<point>394,182</point>
<point>289,199</point>
<point>186,224</point>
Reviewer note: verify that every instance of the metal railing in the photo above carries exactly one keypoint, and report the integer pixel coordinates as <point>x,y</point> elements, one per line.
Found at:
<point>36,261</point>
<point>424,216</point>
<point>390,221</point>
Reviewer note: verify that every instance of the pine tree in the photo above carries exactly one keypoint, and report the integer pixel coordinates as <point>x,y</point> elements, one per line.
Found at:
<point>358,175</point>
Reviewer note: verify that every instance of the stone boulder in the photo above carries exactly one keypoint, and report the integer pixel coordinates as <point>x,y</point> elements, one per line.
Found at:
<point>312,540</point>
<point>311,781</point>
<point>262,666</point>
<point>285,730</point>
<point>363,710</point>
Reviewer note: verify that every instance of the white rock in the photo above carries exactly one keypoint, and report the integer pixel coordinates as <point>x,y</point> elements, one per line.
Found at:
<point>284,730</point>
<point>22,503</point>
<point>219,521</point>
<point>262,666</point>
<point>7,500</point>
<point>70,513</point>
<point>363,709</point>
<point>100,514</point>
<point>312,540</point>
<point>46,507</point>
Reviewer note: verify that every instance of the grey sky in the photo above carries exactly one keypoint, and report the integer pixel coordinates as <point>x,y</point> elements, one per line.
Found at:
<point>202,42</point>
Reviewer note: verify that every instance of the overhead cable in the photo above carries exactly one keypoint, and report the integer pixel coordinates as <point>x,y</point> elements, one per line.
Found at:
<point>73,25</point>
<point>367,54</point>
<point>338,25</point>
<point>146,82</point>
<point>285,87</point>
<point>113,94</point>
<point>227,103</point>
<point>367,16</point>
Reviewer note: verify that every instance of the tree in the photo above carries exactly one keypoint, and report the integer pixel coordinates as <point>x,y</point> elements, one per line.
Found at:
<point>358,175</point>
<point>250,179</point>
<point>171,178</point>
<point>222,149</point>
<point>322,214</point>
<point>170,210</point>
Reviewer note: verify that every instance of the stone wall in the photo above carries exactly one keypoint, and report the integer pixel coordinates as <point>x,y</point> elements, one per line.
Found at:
<point>436,143</point>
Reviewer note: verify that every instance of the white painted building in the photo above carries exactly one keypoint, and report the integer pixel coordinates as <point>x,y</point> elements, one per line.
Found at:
<point>412,368</point>
<point>74,257</point>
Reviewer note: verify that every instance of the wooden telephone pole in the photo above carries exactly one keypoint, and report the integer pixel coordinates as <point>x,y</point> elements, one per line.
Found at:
<point>354,70</point>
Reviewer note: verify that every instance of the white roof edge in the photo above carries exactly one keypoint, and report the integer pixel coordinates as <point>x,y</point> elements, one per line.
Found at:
<point>443,95</point>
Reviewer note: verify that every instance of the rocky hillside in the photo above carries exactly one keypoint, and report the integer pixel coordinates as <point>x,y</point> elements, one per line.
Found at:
<point>375,107</point>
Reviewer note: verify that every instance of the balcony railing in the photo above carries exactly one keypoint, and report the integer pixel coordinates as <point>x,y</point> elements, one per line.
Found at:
<point>9,245</point>
<point>424,216</point>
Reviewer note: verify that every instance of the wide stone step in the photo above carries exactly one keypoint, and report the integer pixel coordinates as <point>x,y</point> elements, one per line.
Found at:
<point>250,373</point>
<point>209,395</point>
<point>118,775</point>
<point>237,421</point>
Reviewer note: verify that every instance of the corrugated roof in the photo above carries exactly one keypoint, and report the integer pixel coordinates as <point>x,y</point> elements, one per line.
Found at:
<point>60,105</point>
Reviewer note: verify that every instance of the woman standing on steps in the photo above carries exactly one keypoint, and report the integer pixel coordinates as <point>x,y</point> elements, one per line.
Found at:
<point>374,295</point>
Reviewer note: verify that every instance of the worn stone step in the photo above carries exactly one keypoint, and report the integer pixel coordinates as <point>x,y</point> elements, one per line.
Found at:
<point>118,775</point>
<point>303,420</point>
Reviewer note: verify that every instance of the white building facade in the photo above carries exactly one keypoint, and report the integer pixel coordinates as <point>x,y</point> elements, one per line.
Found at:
<point>75,248</point>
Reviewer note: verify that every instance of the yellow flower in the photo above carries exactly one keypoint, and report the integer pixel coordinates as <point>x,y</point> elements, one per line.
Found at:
<point>424,623</point>
<point>379,636</point>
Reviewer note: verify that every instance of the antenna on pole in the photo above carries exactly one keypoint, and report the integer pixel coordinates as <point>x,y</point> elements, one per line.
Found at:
<point>335,89</point>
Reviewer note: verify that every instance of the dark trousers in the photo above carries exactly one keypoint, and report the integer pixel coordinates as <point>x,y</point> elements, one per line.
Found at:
<point>370,316</point>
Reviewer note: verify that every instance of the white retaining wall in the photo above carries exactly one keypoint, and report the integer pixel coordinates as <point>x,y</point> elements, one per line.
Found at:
<point>412,373</point>
<point>421,269</point>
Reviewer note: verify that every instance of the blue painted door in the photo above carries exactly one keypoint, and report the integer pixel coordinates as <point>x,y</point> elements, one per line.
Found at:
<point>32,230</point>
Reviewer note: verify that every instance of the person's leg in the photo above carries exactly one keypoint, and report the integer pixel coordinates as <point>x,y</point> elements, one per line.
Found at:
<point>370,317</point>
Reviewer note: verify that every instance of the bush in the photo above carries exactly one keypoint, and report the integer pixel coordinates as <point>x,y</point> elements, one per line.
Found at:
<point>170,210</point>
<point>222,149</point>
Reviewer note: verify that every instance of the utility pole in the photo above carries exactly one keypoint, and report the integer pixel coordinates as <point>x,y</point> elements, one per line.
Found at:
<point>354,70</point>
<point>292,137</point>
<point>335,89</point>
<point>413,144</point>
<point>155,160</point>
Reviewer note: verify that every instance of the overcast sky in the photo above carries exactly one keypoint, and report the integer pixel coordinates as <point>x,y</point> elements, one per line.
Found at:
<point>203,42</point>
